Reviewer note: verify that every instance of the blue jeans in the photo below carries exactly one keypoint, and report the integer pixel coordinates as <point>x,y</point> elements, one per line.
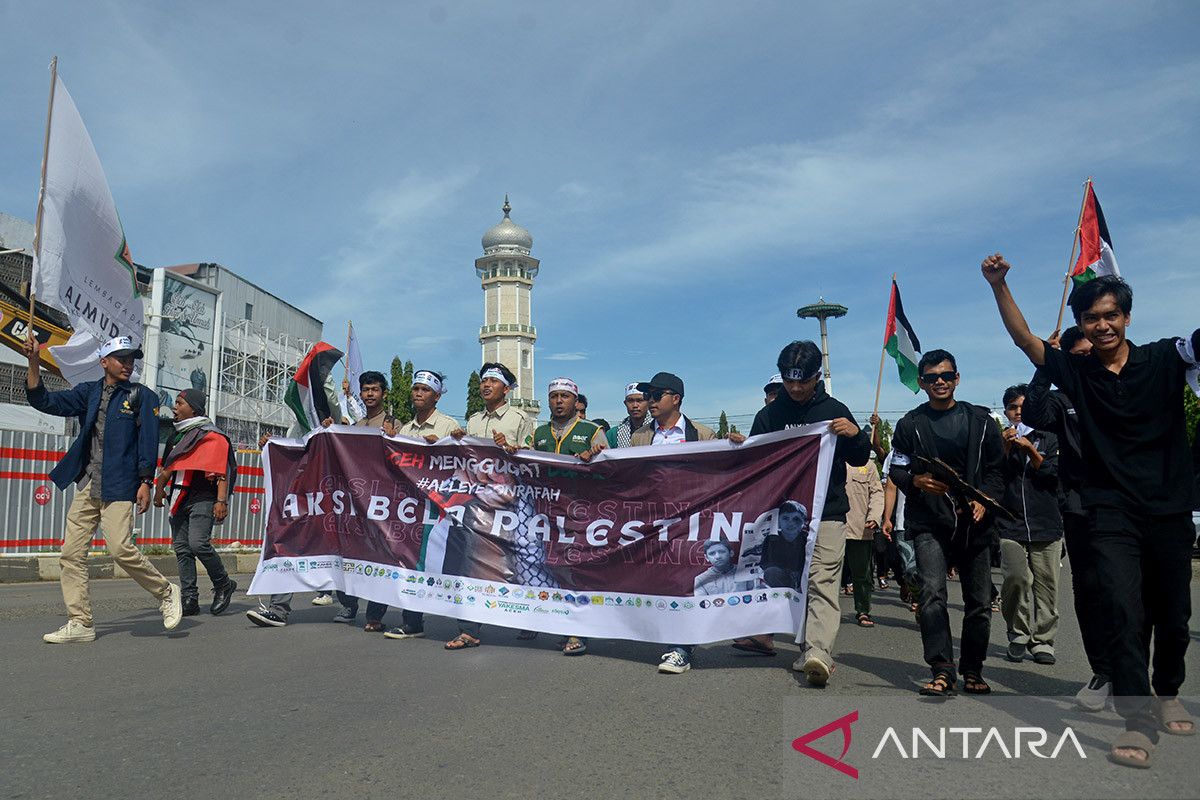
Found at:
<point>191,538</point>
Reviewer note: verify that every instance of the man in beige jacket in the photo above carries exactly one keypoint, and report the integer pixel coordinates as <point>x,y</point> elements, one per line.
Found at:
<point>865,492</point>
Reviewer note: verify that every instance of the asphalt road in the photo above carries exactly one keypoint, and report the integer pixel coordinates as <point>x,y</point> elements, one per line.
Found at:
<point>221,708</point>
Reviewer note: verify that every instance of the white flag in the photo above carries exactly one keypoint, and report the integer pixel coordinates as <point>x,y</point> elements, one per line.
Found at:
<point>351,404</point>
<point>82,265</point>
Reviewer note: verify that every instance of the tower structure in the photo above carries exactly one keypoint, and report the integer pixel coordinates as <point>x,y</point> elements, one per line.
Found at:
<point>822,311</point>
<point>506,271</point>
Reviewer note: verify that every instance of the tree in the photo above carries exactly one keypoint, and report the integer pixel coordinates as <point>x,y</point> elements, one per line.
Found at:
<point>722,425</point>
<point>399,397</point>
<point>474,398</point>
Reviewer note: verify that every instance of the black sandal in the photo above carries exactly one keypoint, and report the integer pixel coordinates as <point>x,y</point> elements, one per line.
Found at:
<point>975,684</point>
<point>939,686</point>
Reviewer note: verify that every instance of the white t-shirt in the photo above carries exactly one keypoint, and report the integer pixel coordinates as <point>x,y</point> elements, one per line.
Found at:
<point>887,467</point>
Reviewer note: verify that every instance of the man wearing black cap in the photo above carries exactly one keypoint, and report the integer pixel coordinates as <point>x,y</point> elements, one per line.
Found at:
<point>112,463</point>
<point>199,470</point>
<point>804,401</point>
<point>669,426</point>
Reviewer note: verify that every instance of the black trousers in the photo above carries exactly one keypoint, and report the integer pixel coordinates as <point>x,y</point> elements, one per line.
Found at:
<point>969,550</point>
<point>1085,585</point>
<point>1144,568</point>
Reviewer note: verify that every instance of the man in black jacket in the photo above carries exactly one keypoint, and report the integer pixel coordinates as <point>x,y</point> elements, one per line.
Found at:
<point>804,401</point>
<point>1030,548</point>
<point>946,530</point>
<point>1051,410</point>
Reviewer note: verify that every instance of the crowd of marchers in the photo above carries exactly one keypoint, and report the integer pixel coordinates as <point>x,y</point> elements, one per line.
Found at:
<point>1092,463</point>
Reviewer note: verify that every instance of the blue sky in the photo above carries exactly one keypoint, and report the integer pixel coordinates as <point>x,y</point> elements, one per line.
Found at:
<point>691,172</point>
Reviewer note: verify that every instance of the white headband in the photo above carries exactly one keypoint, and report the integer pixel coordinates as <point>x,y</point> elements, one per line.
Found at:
<point>632,390</point>
<point>498,375</point>
<point>427,378</point>
<point>799,375</point>
<point>564,385</point>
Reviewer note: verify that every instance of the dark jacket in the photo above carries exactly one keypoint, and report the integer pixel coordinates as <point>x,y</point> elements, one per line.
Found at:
<point>130,435</point>
<point>914,437</point>
<point>1050,410</point>
<point>1032,494</point>
<point>784,412</point>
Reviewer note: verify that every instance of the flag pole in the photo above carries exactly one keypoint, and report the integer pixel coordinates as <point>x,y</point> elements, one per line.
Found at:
<point>346,360</point>
<point>1071,263</point>
<point>37,225</point>
<point>883,353</point>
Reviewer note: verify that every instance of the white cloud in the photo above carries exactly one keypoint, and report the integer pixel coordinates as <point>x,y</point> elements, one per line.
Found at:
<point>566,357</point>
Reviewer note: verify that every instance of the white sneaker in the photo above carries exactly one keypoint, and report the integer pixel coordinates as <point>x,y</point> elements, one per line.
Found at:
<point>74,631</point>
<point>171,607</point>
<point>323,600</point>
<point>1094,694</point>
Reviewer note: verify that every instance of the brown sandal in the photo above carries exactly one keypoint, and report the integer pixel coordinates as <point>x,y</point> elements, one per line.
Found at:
<point>1170,709</point>
<point>462,642</point>
<point>865,621</point>
<point>373,627</point>
<point>1132,740</point>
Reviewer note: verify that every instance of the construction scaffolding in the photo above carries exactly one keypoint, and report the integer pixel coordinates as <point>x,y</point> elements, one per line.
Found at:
<point>256,367</point>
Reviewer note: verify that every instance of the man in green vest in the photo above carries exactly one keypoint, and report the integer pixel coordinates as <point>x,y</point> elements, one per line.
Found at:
<point>568,434</point>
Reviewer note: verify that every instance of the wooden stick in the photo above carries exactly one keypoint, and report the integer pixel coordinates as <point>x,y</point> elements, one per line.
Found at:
<point>883,352</point>
<point>1071,263</point>
<point>37,226</point>
<point>10,252</point>
<point>346,358</point>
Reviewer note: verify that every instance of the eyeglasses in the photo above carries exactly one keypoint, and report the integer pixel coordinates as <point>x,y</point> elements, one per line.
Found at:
<point>933,377</point>
<point>657,394</point>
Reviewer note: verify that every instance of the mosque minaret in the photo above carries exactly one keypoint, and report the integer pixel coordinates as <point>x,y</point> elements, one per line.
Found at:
<point>507,334</point>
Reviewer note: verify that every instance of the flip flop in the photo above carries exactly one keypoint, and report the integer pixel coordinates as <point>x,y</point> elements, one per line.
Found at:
<point>865,621</point>
<point>462,642</point>
<point>579,649</point>
<point>753,646</point>
<point>1170,709</point>
<point>1133,740</point>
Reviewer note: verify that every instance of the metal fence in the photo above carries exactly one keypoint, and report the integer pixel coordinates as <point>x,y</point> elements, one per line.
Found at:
<point>35,511</point>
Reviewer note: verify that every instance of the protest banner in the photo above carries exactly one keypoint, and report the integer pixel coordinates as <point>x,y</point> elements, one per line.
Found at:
<point>693,543</point>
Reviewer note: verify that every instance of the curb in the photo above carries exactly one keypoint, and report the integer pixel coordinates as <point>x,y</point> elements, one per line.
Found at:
<point>45,567</point>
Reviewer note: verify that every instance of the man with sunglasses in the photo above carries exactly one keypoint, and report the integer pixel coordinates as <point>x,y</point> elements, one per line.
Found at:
<point>669,426</point>
<point>1138,491</point>
<point>112,464</point>
<point>948,531</point>
<point>803,401</point>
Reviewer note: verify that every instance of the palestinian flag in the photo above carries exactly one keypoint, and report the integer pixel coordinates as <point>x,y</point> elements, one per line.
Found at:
<point>1096,257</point>
<point>900,341</point>
<point>203,450</point>
<point>308,395</point>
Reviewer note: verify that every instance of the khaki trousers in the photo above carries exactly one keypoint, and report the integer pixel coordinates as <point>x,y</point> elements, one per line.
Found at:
<point>115,520</point>
<point>1029,594</point>
<point>824,617</point>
